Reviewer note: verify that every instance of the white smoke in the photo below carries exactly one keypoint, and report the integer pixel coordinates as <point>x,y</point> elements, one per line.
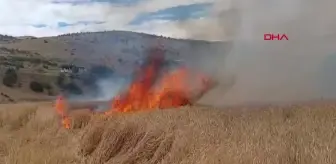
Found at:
<point>106,89</point>
<point>110,87</point>
<point>276,71</point>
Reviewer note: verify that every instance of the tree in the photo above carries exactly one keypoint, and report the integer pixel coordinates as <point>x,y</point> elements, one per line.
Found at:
<point>10,78</point>
<point>36,86</point>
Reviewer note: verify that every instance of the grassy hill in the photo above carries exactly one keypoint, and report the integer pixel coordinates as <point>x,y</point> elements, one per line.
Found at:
<point>95,45</point>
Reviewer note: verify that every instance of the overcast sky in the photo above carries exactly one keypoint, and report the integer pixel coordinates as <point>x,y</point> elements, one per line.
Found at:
<point>54,17</point>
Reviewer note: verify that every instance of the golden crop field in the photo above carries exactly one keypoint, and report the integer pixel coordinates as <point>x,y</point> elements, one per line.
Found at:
<point>31,133</point>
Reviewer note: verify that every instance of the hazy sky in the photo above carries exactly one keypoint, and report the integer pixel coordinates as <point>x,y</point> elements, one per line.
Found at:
<point>53,17</point>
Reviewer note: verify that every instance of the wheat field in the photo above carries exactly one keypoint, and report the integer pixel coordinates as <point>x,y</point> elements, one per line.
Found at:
<point>30,133</point>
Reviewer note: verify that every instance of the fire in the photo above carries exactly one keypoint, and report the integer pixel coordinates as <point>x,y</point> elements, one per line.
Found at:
<point>145,93</point>
<point>60,107</point>
<point>141,95</point>
<point>152,89</point>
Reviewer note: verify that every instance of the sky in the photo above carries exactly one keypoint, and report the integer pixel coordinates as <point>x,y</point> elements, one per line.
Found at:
<point>55,17</point>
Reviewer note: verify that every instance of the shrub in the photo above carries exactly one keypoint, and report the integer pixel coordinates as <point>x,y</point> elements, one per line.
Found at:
<point>10,78</point>
<point>36,86</point>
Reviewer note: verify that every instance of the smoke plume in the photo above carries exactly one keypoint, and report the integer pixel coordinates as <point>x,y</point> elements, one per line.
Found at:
<point>270,71</point>
<point>252,70</point>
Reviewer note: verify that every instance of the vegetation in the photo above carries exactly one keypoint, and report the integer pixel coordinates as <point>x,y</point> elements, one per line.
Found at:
<point>14,51</point>
<point>36,86</point>
<point>300,134</point>
<point>19,60</point>
<point>10,78</point>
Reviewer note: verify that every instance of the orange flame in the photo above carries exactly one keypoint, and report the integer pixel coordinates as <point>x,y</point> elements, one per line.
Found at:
<point>172,90</point>
<point>60,106</point>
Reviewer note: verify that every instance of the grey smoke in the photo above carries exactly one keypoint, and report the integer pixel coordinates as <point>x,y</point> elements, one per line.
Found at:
<point>107,88</point>
<point>274,71</point>
<point>110,87</point>
<point>253,70</point>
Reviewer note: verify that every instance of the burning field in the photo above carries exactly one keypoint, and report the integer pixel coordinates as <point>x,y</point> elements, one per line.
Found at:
<point>134,128</point>
<point>155,119</point>
<point>152,88</point>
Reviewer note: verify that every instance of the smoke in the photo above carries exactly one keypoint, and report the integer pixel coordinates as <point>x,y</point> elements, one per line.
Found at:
<point>269,71</point>
<point>106,88</point>
<point>110,87</point>
<point>251,69</point>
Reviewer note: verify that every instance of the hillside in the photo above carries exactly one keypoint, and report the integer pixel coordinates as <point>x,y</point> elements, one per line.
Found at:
<point>7,39</point>
<point>302,134</point>
<point>97,45</point>
<point>41,59</point>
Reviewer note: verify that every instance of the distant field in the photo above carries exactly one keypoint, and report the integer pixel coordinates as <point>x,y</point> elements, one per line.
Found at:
<point>302,134</point>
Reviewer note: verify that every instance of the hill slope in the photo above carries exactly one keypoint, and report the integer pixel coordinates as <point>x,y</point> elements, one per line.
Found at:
<point>95,45</point>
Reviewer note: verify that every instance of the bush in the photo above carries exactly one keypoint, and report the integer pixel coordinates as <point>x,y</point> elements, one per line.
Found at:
<point>36,86</point>
<point>10,78</point>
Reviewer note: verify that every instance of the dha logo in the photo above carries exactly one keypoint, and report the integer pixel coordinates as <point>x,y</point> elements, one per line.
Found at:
<point>271,36</point>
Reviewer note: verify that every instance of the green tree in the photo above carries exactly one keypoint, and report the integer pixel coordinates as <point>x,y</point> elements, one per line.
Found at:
<point>36,86</point>
<point>10,78</point>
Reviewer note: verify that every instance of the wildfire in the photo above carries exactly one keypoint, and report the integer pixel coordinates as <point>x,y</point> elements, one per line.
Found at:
<point>60,106</point>
<point>172,90</point>
<point>153,89</point>
<point>142,96</point>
